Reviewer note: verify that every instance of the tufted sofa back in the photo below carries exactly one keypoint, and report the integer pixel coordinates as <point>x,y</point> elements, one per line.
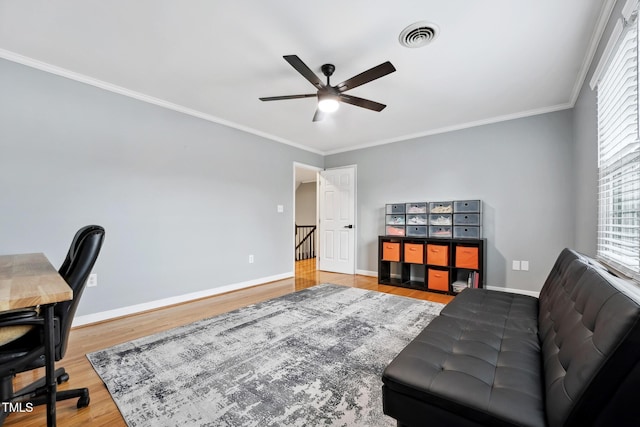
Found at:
<point>589,330</point>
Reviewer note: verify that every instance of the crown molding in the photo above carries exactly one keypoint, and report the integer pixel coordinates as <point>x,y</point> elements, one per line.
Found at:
<point>49,68</point>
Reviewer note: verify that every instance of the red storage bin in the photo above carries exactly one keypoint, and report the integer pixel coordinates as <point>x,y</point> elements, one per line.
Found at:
<point>438,255</point>
<point>391,251</point>
<point>467,257</point>
<point>414,253</point>
<point>438,280</point>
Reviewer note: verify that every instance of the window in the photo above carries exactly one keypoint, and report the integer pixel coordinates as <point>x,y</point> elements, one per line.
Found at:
<point>618,240</point>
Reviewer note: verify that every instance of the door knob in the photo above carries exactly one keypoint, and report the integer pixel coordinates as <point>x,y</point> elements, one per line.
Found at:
<point>348,226</point>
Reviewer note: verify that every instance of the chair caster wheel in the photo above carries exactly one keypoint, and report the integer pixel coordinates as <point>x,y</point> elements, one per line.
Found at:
<point>63,378</point>
<point>83,402</point>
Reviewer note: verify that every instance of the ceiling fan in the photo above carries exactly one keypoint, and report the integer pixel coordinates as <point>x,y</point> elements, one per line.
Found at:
<point>330,96</point>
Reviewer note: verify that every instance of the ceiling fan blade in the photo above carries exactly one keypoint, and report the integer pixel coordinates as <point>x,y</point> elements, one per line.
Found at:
<point>361,102</point>
<point>280,98</point>
<point>366,76</point>
<point>319,115</point>
<point>306,72</point>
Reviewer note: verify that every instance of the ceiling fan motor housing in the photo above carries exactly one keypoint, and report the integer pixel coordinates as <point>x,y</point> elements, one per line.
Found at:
<point>328,69</point>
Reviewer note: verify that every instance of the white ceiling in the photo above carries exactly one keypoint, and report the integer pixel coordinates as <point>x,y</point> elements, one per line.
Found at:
<point>493,59</point>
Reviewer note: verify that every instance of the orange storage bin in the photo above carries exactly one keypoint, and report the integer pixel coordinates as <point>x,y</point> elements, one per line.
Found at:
<point>391,251</point>
<point>467,257</point>
<point>438,280</point>
<point>438,255</point>
<point>414,253</point>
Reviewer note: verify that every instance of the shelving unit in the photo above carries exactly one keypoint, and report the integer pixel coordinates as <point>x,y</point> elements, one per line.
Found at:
<point>432,264</point>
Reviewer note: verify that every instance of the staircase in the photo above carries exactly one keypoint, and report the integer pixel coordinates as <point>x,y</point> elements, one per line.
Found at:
<point>305,242</point>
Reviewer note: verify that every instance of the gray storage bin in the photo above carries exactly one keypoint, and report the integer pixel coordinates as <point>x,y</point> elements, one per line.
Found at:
<point>467,206</point>
<point>440,219</point>
<point>441,207</point>
<point>438,231</point>
<point>462,232</point>
<point>395,208</point>
<point>416,219</point>
<point>394,230</point>
<point>416,208</point>
<point>466,219</point>
<point>395,220</point>
<point>417,231</point>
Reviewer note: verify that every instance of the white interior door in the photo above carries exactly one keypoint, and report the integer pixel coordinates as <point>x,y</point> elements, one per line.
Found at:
<point>337,191</point>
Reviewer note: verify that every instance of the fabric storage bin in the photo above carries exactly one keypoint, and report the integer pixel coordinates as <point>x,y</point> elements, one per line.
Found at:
<point>416,219</point>
<point>438,255</point>
<point>417,230</point>
<point>467,206</point>
<point>395,219</point>
<point>438,280</point>
<point>395,208</point>
<point>441,207</point>
<point>469,232</point>
<point>414,253</point>
<point>467,257</point>
<point>466,219</point>
<point>440,219</point>
<point>416,208</point>
<point>443,232</point>
<point>395,230</point>
<point>391,251</point>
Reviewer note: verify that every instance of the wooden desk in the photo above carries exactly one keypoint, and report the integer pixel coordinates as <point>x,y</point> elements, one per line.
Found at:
<point>27,280</point>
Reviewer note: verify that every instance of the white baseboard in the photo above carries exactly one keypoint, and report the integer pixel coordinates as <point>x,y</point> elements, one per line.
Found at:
<point>152,305</point>
<point>367,273</point>
<point>494,288</point>
<point>515,291</point>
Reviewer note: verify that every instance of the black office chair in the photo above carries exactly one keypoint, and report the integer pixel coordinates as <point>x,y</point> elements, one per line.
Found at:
<point>80,234</point>
<point>27,352</point>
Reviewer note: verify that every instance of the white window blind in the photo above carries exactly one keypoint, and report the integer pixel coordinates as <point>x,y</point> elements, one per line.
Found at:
<point>618,241</point>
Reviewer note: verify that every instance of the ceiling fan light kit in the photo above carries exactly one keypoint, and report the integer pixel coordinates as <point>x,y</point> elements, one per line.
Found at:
<point>329,97</point>
<point>328,103</point>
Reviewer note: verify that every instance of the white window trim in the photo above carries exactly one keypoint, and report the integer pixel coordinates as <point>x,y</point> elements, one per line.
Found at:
<point>627,11</point>
<point>617,230</point>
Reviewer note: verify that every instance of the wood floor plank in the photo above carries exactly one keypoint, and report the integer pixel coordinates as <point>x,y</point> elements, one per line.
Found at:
<point>102,410</point>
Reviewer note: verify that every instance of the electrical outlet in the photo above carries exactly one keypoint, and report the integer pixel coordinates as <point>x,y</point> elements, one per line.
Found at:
<point>524,265</point>
<point>515,265</point>
<point>250,259</point>
<point>93,280</point>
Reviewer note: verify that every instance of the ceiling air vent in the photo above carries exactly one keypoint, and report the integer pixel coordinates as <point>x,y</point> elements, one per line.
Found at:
<point>418,34</point>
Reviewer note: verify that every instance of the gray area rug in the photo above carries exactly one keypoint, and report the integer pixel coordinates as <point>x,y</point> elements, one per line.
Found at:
<point>310,358</point>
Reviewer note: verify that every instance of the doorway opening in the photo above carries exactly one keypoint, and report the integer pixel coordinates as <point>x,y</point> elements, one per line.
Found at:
<point>305,196</point>
<point>324,218</point>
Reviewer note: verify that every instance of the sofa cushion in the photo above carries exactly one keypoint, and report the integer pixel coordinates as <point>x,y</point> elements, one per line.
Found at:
<point>511,311</point>
<point>484,373</point>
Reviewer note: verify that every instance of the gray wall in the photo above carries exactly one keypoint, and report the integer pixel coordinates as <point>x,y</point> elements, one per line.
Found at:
<point>306,196</point>
<point>521,169</point>
<point>184,201</point>
<point>536,175</point>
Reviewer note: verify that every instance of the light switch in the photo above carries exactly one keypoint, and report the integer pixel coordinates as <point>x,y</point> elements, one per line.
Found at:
<point>280,208</point>
<point>515,265</point>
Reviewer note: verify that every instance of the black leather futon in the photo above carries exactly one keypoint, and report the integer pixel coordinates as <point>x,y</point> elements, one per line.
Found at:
<point>568,358</point>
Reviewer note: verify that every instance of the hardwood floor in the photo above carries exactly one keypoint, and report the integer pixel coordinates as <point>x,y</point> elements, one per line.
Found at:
<point>102,411</point>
